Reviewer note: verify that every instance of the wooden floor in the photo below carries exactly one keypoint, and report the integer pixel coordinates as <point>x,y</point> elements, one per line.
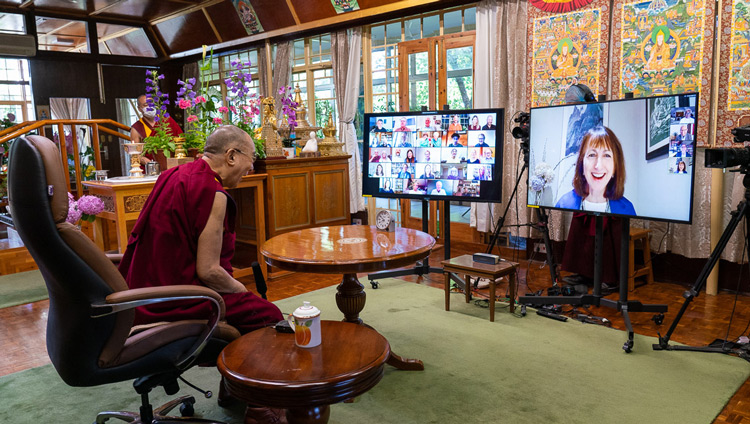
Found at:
<point>22,328</point>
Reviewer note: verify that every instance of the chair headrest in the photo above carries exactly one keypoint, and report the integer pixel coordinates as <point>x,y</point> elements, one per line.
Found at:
<point>53,168</point>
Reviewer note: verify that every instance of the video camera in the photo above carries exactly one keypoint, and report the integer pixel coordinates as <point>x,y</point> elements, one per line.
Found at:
<point>728,157</point>
<point>522,130</point>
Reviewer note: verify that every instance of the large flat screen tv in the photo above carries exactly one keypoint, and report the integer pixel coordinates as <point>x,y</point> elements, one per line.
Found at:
<point>633,157</point>
<point>455,155</point>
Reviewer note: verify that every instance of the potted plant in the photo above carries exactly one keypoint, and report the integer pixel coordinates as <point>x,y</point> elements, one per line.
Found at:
<point>160,143</point>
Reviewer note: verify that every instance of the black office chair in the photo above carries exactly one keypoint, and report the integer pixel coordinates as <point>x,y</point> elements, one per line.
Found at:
<point>90,337</point>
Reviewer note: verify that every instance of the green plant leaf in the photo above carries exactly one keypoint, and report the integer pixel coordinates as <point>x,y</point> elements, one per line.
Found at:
<point>308,323</point>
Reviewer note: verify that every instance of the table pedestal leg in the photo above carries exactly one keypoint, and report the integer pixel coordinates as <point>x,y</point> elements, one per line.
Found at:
<point>350,299</point>
<point>312,415</point>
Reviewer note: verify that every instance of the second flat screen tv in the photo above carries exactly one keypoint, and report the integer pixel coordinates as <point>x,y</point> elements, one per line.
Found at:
<point>633,157</point>
<point>455,155</point>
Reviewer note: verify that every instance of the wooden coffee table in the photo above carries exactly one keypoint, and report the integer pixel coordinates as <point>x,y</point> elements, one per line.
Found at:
<point>349,249</point>
<point>266,368</point>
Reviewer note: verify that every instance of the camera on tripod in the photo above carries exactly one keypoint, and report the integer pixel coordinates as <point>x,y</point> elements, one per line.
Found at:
<point>522,130</point>
<point>728,157</point>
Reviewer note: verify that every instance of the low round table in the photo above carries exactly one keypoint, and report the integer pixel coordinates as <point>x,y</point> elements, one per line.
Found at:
<point>349,249</point>
<point>266,368</point>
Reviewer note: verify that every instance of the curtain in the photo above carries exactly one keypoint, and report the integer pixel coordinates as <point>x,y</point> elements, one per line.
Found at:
<point>500,80</point>
<point>72,108</point>
<point>346,49</point>
<point>282,73</point>
<point>263,72</point>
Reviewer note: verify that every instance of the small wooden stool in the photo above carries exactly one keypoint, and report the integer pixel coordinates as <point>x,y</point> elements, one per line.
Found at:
<point>466,266</point>
<point>639,235</point>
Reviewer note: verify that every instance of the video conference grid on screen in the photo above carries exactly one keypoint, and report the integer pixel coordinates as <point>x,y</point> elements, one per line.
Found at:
<point>433,154</point>
<point>627,157</point>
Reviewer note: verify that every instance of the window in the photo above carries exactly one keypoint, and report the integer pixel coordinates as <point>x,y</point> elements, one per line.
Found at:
<point>312,71</point>
<point>221,67</point>
<point>123,40</point>
<point>15,89</point>
<point>384,39</point>
<point>62,35</point>
<point>11,23</point>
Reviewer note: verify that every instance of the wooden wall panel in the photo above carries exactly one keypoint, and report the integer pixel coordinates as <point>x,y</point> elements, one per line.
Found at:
<point>186,32</point>
<point>147,10</point>
<point>226,21</point>
<point>329,203</point>
<point>275,14</point>
<point>366,4</point>
<point>308,11</point>
<point>291,201</point>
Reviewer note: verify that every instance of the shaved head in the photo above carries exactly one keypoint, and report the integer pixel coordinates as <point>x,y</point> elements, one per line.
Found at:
<point>229,137</point>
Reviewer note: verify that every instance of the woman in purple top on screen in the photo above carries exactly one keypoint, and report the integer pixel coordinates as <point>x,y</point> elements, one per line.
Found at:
<point>599,180</point>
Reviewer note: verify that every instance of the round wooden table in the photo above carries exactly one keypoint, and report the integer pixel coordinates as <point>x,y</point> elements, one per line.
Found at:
<point>347,250</point>
<point>266,368</point>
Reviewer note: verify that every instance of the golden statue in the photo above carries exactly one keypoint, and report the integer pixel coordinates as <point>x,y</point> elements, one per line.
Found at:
<point>269,111</point>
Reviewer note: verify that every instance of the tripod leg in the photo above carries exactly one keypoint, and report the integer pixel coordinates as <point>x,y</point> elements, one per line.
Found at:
<point>501,222</point>
<point>737,216</point>
<point>544,228</point>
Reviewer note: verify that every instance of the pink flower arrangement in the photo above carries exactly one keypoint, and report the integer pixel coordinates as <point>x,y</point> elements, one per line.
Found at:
<point>217,121</point>
<point>86,208</point>
<point>185,103</point>
<point>223,109</point>
<point>192,118</point>
<point>199,100</point>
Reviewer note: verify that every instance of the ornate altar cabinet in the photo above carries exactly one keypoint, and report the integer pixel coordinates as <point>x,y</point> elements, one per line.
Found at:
<point>305,192</point>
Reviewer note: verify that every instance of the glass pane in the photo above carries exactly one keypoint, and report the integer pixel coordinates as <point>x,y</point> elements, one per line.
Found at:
<point>460,92</point>
<point>381,203</point>
<point>470,19</point>
<point>314,46</point>
<point>123,40</point>
<point>62,35</point>
<point>452,22</point>
<point>299,52</point>
<point>11,23</point>
<point>460,212</point>
<point>325,44</point>
<point>393,33</point>
<point>418,64</point>
<point>324,108</point>
<point>412,30</point>
<point>416,209</point>
<point>419,94</point>
<point>377,35</point>
<point>460,58</point>
<point>378,89</point>
<point>431,26</point>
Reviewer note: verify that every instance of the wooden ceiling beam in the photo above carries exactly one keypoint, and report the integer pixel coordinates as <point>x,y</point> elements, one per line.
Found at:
<point>107,7</point>
<point>184,11</point>
<point>294,12</point>
<point>27,3</point>
<point>354,18</point>
<point>213,27</point>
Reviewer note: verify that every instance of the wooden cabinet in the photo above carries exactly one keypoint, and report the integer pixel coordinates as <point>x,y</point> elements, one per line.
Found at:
<point>305,192</point>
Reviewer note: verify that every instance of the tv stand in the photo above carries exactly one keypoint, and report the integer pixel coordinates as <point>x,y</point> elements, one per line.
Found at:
<point>423,267</point>
<point>595,298</point>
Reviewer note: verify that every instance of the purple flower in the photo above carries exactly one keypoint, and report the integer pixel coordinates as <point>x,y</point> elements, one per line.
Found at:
<point>161,76</point>
<point>74,215</point>
<point>90,205</point>
<point>180,82</point>
<point>191,81</point>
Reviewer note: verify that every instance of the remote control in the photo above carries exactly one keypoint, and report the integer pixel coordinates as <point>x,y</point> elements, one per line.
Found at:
<point>552,315</point>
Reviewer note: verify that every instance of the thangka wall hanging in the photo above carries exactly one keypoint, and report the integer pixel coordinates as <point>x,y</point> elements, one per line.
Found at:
<point>342,6</point>
<point>559,6</point>
<point>664,47</point>
<point>733,107</point>
<point>248,16</point>
<point>567,49</point>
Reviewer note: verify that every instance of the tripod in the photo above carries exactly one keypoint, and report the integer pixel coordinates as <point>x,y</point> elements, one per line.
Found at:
<point>542,223</point>
<point>622,304</point>
<point>742,212</point>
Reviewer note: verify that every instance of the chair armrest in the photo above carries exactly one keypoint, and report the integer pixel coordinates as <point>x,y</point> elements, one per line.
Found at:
<point>129,299</point>
<point>116,258</point>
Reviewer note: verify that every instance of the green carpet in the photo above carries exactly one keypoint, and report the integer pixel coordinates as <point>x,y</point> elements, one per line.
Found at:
<point>515,370</point>
<point>21,288</point>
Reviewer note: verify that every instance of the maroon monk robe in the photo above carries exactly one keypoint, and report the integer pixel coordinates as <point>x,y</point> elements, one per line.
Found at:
<point>163,248</point>
<point>578,256</point>
<point>145,130</point>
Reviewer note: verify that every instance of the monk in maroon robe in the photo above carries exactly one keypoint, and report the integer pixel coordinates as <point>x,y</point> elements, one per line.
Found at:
<point>144,127</point>
<point>185,235</point>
